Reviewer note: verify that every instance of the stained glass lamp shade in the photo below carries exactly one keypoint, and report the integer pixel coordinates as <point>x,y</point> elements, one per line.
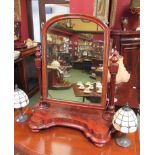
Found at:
<point>124,121</point>
<point>20,100</point>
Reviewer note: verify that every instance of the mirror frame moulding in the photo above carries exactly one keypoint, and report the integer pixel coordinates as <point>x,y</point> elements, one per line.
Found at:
<point>44,80</point>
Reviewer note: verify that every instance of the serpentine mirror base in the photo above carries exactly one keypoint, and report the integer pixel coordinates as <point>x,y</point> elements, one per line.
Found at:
<point>89,121</point>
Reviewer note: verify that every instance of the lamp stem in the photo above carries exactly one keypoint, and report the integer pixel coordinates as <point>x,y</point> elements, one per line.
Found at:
<point>21,111</point>
<point>122,140</point>
<point>21,117</point>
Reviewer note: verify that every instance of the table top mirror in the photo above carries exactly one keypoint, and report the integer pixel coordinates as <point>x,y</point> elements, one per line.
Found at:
<point>75,57</point>
<point>75,47</point>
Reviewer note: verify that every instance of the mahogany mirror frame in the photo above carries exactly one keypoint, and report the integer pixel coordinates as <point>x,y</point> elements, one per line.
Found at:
<point>44,81</point>
<point>94,121</point>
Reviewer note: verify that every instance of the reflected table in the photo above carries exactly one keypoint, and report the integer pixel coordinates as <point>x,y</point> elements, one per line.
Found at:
<point>65,141</point>
<point>96,73</point>
<point>80,93</point>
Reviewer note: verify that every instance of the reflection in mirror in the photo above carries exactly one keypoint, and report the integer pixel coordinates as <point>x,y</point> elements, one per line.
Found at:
<point>75,61</point>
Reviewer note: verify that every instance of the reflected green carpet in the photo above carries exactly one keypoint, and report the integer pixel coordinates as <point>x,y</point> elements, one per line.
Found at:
<point>68,94</point>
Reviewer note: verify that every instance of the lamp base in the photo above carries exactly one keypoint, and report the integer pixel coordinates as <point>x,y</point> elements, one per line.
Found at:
<point>21,118</point>
<point>123,141</point>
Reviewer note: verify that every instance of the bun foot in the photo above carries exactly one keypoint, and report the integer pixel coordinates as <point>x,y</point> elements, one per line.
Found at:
<point>35,130</point>
<point>99,144</point>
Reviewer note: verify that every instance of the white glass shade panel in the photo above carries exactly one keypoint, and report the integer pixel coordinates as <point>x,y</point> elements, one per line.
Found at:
<point>20,98</point>
<point>125,120</point>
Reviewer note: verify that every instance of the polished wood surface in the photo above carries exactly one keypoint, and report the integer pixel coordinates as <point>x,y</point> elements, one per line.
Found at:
<point>65,141</point>
<point>74,117</point>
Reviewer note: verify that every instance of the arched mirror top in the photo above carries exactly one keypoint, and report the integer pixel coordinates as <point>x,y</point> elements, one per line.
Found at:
<point>84,19</point>
<point>75,51</point>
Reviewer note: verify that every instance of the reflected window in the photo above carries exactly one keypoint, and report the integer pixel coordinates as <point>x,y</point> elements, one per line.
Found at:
<point>55,9</point>
<point>36,20</point>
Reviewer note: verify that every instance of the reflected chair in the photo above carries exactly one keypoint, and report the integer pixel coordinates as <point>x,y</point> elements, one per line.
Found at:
<point>56,77</point>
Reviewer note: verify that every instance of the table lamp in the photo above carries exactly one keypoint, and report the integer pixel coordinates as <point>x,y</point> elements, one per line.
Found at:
<point>20,100</point>
<point>124,121</point>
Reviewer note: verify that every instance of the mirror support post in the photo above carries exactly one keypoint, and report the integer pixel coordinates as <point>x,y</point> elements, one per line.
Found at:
<point>38,65</point>
<point>113,69</point>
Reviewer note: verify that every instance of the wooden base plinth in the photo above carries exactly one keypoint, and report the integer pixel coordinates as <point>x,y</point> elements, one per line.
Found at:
<point>87,120</point>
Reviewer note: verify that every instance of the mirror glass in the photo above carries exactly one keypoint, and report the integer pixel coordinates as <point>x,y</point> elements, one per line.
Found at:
<point>74,52</point>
